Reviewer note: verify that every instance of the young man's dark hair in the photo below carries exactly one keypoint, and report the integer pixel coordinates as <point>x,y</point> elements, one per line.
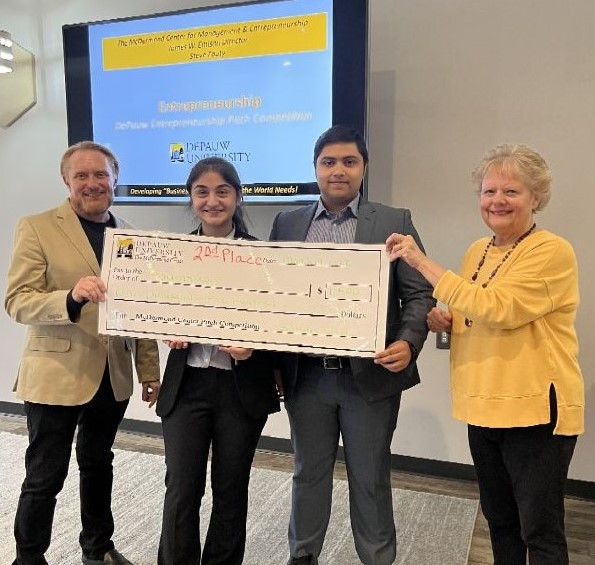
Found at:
<point>341,134</point>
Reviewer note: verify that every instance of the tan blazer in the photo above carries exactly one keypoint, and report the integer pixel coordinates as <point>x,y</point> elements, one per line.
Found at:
<point>63,362</point>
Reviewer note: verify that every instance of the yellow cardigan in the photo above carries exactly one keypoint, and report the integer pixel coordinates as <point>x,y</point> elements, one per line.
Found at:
<point>522,338</point>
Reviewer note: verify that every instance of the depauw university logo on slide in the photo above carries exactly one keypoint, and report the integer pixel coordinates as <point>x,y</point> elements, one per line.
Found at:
<point>176,153</point>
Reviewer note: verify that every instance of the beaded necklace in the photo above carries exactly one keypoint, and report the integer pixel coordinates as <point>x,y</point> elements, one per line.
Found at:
<point>469,322</point>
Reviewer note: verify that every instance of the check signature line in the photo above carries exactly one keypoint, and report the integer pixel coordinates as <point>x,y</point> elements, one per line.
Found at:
<point>265,331</point>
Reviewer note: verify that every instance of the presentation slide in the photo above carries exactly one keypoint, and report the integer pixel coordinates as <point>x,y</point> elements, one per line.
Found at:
<point>250,83</point>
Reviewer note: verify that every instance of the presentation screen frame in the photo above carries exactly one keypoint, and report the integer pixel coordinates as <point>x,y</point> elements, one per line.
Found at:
<point>287,170</point>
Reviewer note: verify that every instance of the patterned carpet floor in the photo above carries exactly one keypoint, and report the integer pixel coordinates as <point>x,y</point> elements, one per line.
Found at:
<point>431,529</point>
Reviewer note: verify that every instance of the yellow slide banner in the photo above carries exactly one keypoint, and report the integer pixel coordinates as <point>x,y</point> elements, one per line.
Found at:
<point>296,34</point>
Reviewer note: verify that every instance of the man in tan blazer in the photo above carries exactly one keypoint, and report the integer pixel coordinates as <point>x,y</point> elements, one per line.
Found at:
<point>69,374</point>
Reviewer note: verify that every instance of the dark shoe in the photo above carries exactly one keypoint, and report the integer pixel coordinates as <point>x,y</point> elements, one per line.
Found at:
<point>304,560</point>
<point>42,562</point>
<point>112,557</point>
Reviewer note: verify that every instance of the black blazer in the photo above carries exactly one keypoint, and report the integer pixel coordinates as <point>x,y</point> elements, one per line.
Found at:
<point>409,298</point>
<point>253,378</point>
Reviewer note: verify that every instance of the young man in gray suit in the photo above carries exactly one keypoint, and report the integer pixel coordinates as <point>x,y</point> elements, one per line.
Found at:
<point>69,374</point>
<point>355,398</point>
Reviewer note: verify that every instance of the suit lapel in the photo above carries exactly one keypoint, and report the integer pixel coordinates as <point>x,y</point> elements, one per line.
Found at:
<point>70,226</point>
<point>366,219</point>
<point>301,228</point>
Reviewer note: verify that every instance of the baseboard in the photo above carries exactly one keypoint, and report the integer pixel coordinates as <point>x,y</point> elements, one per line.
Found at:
<point>404,463</point>
<point>11,408</point>
<point>141,427</point>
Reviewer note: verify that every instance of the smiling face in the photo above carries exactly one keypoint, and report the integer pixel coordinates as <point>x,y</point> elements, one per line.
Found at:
<point>340,169</point>
<point>506,206</point>
<point>214,202</point>
<point>91,181</point>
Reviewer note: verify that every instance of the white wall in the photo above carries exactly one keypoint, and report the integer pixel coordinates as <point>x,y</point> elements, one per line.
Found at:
<point>448,81</point>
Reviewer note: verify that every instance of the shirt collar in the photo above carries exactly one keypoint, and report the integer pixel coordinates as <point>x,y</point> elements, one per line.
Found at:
<point>230,235</point>
<point>321,208</point>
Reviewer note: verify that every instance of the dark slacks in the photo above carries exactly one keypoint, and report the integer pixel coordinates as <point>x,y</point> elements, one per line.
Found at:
<point>521,474</point>
<point>208,413</point>
<point>51,432</point>
<point>326,404</point>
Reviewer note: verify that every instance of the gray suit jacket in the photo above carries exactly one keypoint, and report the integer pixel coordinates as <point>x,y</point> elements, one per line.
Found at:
<point>63,361</point>
<point>409,300</point>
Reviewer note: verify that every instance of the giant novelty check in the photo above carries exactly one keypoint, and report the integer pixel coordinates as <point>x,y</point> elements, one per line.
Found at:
<point>327,299</point>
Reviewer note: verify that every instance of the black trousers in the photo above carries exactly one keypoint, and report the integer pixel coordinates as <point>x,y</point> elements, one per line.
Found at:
<point>207,414</point>
<point>51,432</point>
<point>521,474</point>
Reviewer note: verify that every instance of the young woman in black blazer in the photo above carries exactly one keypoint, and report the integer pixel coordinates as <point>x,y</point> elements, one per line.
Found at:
<point>212,397</point>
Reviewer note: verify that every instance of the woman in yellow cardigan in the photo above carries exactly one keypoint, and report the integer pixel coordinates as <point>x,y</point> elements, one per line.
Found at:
<point>515,378</point>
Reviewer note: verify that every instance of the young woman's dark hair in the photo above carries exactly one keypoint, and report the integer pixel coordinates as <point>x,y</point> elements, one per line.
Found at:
<point>230,176</point>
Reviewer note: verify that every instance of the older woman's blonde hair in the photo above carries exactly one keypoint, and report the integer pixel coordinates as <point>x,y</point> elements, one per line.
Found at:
<point>519,162</point>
